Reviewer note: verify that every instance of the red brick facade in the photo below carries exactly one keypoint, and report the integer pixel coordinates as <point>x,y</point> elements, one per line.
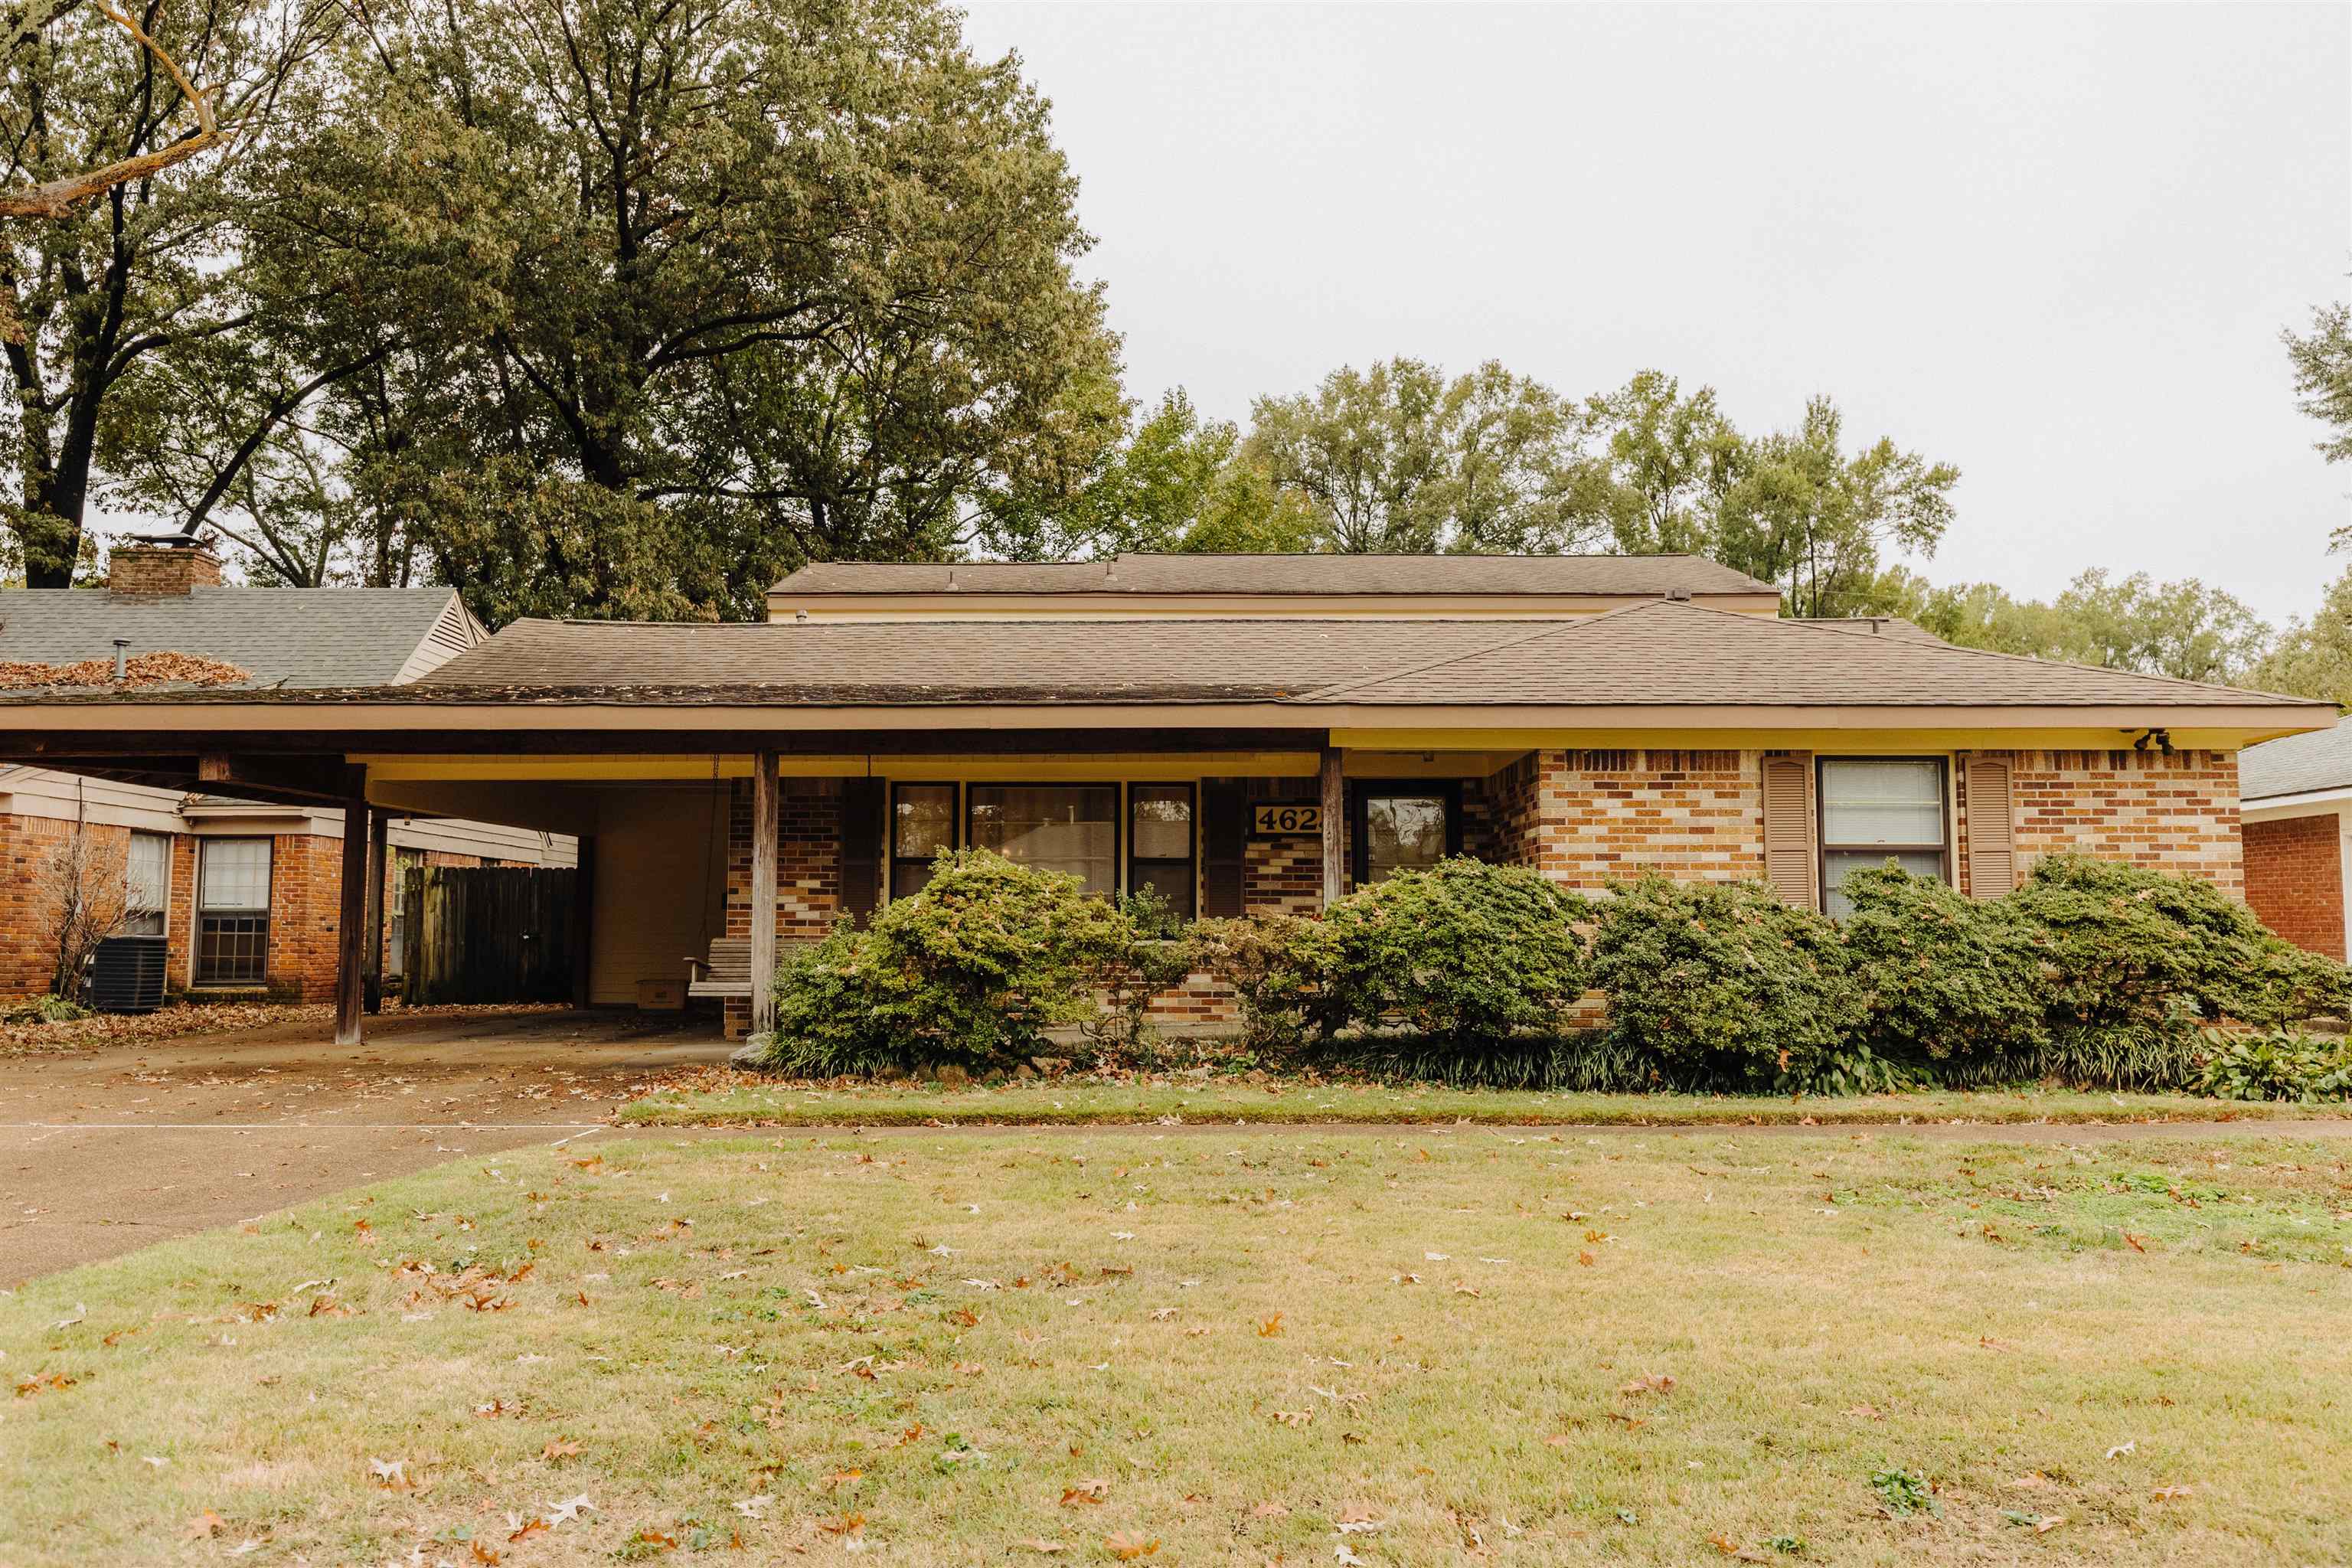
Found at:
<point>2295,880</point>
<point>306,881</point>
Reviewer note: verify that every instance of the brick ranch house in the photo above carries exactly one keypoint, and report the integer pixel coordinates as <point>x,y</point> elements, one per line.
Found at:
<point>246,893</point>
<point>2298,806</point>
<point>1240,732</point>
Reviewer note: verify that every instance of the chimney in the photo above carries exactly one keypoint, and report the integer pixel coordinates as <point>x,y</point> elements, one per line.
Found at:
<point>152,571</point>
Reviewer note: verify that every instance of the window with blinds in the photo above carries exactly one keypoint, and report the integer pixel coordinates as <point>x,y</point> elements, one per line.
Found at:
<point>1876,809</point>
<point>147,884</point>
<point>232,912</point>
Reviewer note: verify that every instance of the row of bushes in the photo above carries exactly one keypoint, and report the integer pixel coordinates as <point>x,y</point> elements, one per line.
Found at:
<point>2091,971</point>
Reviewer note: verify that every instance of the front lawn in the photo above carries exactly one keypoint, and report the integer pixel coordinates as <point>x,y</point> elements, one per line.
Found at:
<point>725,1097</point>
<point>1306,1348</point>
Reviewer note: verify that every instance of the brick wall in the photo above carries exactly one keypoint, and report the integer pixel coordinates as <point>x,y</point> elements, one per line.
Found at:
<point>2177,813</point>
<point>1585,816</point>
<point>808,859</point>
<point>2295,880</point>
<point>1282,876</point>
<point>26,910</point>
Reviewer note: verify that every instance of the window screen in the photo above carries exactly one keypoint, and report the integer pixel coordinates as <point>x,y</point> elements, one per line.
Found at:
<point>1055,828</point>
<point>1878,809</point>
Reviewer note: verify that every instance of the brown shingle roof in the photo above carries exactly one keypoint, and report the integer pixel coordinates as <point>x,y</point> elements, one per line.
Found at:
<point>1654,653</point>
<point>1286,575</point>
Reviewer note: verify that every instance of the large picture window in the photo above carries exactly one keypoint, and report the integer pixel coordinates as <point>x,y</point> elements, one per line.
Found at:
<point>1160,843</point>
<point>232,912</point>
<point>923,823</point>
<point>1876,809</point>
<point>1055,828</point>
<point>147,884</point>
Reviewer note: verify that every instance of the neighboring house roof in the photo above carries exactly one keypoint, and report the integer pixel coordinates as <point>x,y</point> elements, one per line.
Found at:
<point>2297,764</point>
<point>1654,653</point>
<point>1285,574</point>
<point>282,636</point>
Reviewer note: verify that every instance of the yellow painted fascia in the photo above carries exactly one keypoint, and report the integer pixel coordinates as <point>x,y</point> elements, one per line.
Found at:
<point>1843,740</point>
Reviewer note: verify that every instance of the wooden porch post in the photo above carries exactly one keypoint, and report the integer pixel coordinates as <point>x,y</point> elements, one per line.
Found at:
<point>351,922</point>
<point>763,891</point>
<point>379,831</point>
<point>1335,828</point>
<point>584,918</point>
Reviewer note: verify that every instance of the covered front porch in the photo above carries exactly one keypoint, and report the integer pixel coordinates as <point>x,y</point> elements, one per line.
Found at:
<point>682,838</point>
<point>680,849</point>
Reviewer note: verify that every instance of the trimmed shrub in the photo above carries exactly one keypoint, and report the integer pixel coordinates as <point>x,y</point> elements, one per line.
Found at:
<point>1944,979</point>
<point>969,971</point>
<point>1127,962</point>
<point>2127,947</point>
<point>1467,953</point>
<point>2280,1064</point>
<point>1722,984</point>
<point>1278,967</point>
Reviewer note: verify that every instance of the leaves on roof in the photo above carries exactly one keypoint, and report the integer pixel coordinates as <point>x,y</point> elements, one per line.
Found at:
<point>141,669</point>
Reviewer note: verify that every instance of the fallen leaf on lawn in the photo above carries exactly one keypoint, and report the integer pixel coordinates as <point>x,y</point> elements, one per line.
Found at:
<point>649,1536</point>
<point>1347,1559</point>
<point>1043,1548</point>
<point>2166,1494</point>
<point>844,1524</point>
<point>2138,1243</point>
<point>571,1508</point>
<point>391,1475</point>
<point>482,1554</point>
<point>1586,1258</point>
<point>1093,1489</point>
<point>1295,1417</point>
<point>527,1529</point>
<point>841,1479</point>
<point>1270,1328</point>
<point>1656,1384</point>
<point>561,1449</point>
<point>1268,1510</point>
<point>1867,1412</point>
<point>2120,1449</point>
<point>2045,1527</point>
<point>1557,1440</point>
<point>204,1527</point>
<point>1464,1290</point>
<point>1128,1548</point>
<point>1162,1314</point>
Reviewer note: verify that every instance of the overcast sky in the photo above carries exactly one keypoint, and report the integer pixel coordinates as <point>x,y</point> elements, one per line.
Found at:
<point>2053,246</point>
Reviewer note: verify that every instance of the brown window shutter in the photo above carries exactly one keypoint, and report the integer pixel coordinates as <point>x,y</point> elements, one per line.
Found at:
<point>1224,845</point>
<point>1790,863</point>
<point>1992,828</point>
<point>861,847</point>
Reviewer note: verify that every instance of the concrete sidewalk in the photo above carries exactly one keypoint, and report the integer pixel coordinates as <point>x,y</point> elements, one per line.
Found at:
<point>106,1151</point>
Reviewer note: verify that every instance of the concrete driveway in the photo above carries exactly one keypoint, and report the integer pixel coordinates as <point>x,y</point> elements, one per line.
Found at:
<point>106,1151</point>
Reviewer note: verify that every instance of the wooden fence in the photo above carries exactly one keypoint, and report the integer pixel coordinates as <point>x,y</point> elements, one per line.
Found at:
<point>488,933</point>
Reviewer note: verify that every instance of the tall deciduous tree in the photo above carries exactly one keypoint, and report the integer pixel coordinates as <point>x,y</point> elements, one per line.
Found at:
<point>1804,515</point>
<point>2323,376</point>
<point>2184,629</point>
<point>627,307</point>
<point>2313,658</point>
<point>1400,458</point>
<point>94,293</point>
<point>1662,465</point>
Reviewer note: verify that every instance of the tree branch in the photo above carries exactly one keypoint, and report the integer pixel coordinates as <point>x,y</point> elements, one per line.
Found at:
<point>58,197</point>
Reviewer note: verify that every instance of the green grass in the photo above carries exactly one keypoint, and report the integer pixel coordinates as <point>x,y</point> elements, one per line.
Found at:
<point>717,1097</point>
<point>932,1350</point>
